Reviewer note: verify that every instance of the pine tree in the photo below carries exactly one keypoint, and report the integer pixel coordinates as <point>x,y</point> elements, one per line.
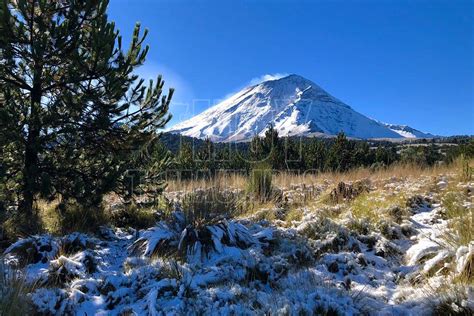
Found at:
<point>71,108</point>
<point>315,154</point>
<point>185,162</point>
<point>339,156</point>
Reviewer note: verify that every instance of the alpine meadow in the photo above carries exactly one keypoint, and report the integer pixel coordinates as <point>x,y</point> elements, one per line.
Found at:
<point>133,183</point>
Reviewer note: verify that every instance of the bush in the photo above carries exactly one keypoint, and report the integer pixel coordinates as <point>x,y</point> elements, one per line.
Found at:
<point>260,184</point>
<point>452,301</point>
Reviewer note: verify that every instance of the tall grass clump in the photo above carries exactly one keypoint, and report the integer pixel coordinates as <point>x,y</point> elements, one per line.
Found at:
<point>461,219</point>
<point>132,215</point>
<point>466,170</point>
<point>260,182</point>
<point>13,290</point>
<point>377,206</point>
<point>62,217</point>
<point>203,205</point>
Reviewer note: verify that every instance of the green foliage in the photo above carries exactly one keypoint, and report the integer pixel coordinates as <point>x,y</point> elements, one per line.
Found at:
<point>308,155</point>
<point>421,155</point>
<point>73,114</point>
<point>145,173</point>
<point>339,155</point>
<point>185,161</point>
<point>268,149</point>
<point>464,148</point>
<point>315,154</point>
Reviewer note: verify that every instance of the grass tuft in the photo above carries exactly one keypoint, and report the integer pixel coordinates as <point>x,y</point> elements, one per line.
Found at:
<point>260,182</point>
<point>461,220</point>
<point>13,290</point>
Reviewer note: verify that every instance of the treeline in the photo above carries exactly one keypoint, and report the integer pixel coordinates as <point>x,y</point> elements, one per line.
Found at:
<point>204,158</point>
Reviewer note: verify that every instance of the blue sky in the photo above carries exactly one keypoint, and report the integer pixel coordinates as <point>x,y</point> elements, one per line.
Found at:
<point>404,62</point>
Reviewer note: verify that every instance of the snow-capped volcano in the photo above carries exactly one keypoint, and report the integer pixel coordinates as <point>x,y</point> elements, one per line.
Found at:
<point>292,104</point>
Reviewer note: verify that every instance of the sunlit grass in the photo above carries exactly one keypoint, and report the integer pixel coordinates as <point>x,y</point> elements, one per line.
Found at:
<point>376,206</point>
<point>460,216</point>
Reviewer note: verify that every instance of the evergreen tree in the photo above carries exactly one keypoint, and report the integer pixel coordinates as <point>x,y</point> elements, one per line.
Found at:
<point>315,153</point>
<point>71,108</point>
<point>207,159</point>
<point>362,155</point>
<point>339,156</point>
<point>185,163</point>
<point>145,171</point>
<point>268,149</point>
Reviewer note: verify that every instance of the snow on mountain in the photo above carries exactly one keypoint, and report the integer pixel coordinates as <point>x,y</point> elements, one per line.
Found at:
<point>293,105</point>
<point>408,132</point>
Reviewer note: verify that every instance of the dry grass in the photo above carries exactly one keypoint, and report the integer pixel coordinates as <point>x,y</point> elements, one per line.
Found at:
<point>282,179</point>
<point>214,203</point>
<point>221,180</point>
<point>13,292</point>
<point>60,218</point>
<point>461,219</point>
<point>376,206</point>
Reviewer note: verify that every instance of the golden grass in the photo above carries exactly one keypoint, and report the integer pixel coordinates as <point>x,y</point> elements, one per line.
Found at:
<point>69,218</point>
<point>460,217</point>
<point>374,206</point>
<point>221,180</point>
<point>283,179</point>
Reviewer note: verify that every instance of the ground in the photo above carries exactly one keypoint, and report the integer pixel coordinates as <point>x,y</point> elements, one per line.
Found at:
<point>376,246</point>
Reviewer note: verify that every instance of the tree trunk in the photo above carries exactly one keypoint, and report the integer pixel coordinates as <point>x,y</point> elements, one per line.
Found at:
<point>30,168</point>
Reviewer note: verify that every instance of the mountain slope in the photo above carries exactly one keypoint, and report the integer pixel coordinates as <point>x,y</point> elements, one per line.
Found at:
<point>407,131</point>
<point>293,105</point>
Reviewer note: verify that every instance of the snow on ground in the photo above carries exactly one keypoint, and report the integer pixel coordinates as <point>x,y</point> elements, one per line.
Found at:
<point>314,266</point>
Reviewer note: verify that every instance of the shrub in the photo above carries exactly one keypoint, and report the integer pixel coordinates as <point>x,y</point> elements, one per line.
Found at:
<point>295,214</point>
<point>33,249</point>
<point>18,225</point>
<point>65,269</point>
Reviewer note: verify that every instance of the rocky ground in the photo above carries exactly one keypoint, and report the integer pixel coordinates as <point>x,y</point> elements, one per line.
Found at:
<point>322,250</point>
